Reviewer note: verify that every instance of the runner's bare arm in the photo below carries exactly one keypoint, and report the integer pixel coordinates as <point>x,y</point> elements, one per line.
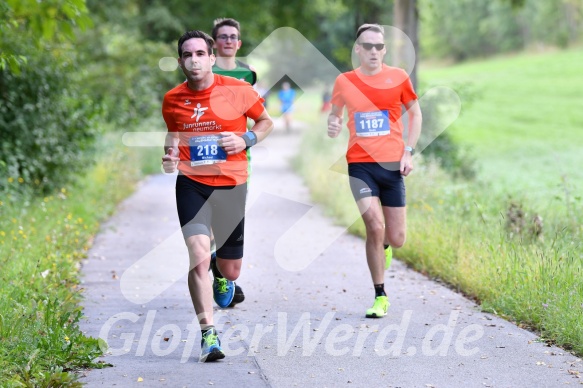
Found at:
<point>335,121</point>
<point>171,140</point>
<point>415,120</point>
<point>234,144</point>
<point>170,158</point>
<point>263,126</point>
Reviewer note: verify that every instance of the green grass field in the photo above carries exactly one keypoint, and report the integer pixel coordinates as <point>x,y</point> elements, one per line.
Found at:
<point>512,238</point>
<point>525,124</point>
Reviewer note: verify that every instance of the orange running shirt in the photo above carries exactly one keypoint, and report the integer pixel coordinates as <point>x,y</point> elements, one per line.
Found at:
<point>198,117</point>
<point>374,113</point>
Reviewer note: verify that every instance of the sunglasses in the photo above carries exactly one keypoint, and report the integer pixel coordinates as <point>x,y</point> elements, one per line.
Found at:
<point>369,46</point>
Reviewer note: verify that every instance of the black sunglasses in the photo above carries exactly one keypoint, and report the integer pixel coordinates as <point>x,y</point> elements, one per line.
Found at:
<point>369,46</point>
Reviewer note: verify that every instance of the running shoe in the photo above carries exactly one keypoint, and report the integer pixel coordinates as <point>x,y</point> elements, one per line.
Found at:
<point>379,308</point>
<point>210,346</point>
<point>223,292</point>
<point>238,297</point>
<point>223,289</point>
<point>388,257</point>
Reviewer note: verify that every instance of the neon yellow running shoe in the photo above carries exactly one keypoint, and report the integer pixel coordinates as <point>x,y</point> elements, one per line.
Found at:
<point>388,257</point>
<point>210,347</point>
<point>379,308</point>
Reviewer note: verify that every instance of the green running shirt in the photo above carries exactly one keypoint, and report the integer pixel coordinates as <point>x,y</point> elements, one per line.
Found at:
<point>242,72</point>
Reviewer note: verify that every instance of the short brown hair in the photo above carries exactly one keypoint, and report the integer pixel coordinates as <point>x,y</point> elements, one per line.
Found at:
<point>196,34</point>
<point>371,27</point>
<point>221,22</point>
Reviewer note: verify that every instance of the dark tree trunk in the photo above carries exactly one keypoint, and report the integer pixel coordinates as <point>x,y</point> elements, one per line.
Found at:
<point>406,18</point>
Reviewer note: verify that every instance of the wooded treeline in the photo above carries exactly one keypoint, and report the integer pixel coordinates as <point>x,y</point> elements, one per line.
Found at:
<point>70,69</point>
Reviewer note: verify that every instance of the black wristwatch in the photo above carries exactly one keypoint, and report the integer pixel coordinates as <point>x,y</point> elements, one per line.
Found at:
<point>410,149</point>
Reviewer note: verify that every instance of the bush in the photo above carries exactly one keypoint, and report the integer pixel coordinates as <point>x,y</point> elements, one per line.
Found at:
<point>46,126</point>
<point>127,88</point>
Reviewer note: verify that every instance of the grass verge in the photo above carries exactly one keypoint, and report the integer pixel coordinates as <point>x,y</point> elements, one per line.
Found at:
<point>41,243</point>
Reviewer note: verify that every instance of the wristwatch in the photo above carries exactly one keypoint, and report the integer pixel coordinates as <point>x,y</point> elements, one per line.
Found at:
<point>410,149</point>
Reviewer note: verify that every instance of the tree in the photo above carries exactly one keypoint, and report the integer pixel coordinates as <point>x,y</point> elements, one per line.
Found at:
<point>406,18</point>
<point>39,22</point>
<point>45,119</point>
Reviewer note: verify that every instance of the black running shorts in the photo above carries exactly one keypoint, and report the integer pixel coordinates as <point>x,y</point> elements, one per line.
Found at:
<point>377,180</point>
<point>202,208</point>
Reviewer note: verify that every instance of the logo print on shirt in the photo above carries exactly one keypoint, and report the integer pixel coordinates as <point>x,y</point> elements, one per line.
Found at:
<point>187,102</point>
<point>198,112</point>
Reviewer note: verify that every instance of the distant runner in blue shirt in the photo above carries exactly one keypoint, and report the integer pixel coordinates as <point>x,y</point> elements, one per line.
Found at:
<point>286,96</point>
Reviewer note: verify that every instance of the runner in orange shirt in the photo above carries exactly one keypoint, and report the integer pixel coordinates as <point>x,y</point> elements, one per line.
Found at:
<point>377,156</point>
<point>206,118</point>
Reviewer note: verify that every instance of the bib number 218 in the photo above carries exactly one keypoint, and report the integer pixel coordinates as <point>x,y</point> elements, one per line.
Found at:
<point>204,150</point>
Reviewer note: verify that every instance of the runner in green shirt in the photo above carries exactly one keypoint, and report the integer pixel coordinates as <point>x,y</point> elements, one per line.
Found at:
<point>227,36</point>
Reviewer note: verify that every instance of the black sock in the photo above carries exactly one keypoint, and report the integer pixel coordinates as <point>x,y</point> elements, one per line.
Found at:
<point>379,290</point>
<point>215,269</point>
<point>204,331</point>
<point>386,246</point>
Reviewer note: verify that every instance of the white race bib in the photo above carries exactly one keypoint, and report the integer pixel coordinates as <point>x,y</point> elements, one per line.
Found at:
<point>372,123</point>
<point>205,149</point>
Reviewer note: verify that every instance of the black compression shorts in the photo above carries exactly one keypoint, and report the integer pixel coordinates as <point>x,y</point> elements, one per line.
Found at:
<point>377,180</point>
<point>202,208</point>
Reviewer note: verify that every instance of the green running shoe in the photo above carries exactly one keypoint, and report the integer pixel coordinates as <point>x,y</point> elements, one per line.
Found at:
<point>379,308</point>
<point>388,257</point>
<point>210,347</point>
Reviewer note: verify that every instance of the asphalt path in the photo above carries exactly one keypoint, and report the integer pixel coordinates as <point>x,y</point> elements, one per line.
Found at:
<point>307,287</point>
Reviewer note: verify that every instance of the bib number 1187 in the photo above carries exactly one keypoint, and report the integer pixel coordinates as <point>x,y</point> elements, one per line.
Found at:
<point>372,123</point>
